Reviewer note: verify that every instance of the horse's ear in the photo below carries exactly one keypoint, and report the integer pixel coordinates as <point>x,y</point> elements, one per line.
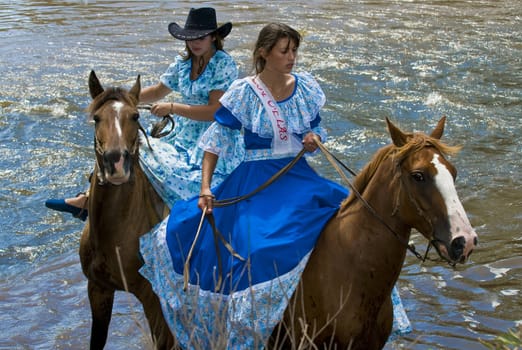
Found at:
<point>135,90</point>
<point>95,88</point>
<point>397,136</point>
<point>439,129</point>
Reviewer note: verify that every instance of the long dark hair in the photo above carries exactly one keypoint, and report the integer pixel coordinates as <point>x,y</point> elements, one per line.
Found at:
<point>218,44</point>
<point>267,39</point>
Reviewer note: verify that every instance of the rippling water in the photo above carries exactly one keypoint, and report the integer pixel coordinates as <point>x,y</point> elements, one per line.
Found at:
<point>411,60</point>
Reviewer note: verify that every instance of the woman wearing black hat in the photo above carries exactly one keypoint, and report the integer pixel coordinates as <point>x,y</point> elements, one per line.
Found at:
<point>201,75</point>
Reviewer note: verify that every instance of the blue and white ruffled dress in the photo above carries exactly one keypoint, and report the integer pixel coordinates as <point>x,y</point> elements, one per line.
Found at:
<point>173,165</point>
<point>275,230</point>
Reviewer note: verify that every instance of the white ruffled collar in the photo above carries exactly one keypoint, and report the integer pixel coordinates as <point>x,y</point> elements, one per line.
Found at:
<point>298,110</point>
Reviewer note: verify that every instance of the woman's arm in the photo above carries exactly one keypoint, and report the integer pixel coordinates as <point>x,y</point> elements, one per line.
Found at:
<point>194,112</point>
<point>200,112</point>
<point>154,93</point>
<point>207,171</point>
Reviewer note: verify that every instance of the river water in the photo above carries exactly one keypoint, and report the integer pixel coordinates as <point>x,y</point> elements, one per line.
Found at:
<point>413,61</point>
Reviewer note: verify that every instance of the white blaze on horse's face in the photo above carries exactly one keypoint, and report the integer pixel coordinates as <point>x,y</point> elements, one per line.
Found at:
<point>117,108</point>
<point>458,220</point>
<point>116,174</point>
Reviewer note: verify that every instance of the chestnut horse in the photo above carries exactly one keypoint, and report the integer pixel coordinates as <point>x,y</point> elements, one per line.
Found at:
<point>122,207</point>
<point>344,297</point>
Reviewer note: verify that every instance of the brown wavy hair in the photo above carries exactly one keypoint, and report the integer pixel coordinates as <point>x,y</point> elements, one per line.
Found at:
<point>268,38</point>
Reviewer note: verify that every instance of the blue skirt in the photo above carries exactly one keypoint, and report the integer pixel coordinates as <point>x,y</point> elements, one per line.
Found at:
<point>272,230</point>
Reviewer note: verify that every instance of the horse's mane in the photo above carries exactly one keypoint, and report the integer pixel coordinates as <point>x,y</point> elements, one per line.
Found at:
<point>416,141</point>
<point>111,94</point>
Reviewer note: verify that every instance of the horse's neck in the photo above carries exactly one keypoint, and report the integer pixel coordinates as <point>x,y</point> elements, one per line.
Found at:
<point>366,242</point>
<point>132,203</point>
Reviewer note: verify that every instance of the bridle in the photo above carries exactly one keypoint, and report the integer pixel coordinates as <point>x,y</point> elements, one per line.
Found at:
<point>99,155</point>
<point>335,161</point>
<point>156,132</point>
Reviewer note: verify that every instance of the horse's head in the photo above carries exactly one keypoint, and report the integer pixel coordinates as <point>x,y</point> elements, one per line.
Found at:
<point>115,114</point>
<point>428,199</point>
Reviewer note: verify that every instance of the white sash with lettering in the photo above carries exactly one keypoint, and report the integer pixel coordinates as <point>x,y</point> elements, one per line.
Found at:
<point>283,142</point>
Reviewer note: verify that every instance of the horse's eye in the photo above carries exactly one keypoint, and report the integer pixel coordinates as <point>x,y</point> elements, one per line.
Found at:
<point>135,116</point>
<point>417,176</point>
<point>96,118</point>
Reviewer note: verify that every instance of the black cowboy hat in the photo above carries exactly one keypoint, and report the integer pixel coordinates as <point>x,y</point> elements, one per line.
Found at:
<point>200,22</point>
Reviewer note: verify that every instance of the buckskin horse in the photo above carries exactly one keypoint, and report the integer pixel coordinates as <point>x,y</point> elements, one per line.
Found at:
<point>344,297</point>
<point>122,207</point>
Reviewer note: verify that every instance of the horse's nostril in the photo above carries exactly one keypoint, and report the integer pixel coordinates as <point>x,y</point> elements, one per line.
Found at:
<point>458,242</point>
<point>457,247</point>
<point>112,157</point>
<point>475,240</point>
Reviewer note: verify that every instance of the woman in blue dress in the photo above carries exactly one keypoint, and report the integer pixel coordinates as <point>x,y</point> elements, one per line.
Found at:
<point>236,300</point>
<point>200,76</point>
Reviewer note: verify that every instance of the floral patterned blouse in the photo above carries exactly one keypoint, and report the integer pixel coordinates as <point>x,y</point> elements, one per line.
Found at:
<point>174,164</point>
<point>219,74</point>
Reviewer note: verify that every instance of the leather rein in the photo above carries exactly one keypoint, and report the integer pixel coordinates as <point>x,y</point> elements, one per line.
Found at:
<point>156,132</point>
<point>334,161</point>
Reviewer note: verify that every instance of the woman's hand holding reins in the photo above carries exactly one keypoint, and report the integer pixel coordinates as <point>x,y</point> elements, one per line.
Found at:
<point>309,143</point>
<point>162,109</point>
<point>205,201</point>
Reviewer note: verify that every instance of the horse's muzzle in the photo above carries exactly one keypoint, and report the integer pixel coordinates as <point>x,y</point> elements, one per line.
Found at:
<point>117,166</point>
<point>459,249</point>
